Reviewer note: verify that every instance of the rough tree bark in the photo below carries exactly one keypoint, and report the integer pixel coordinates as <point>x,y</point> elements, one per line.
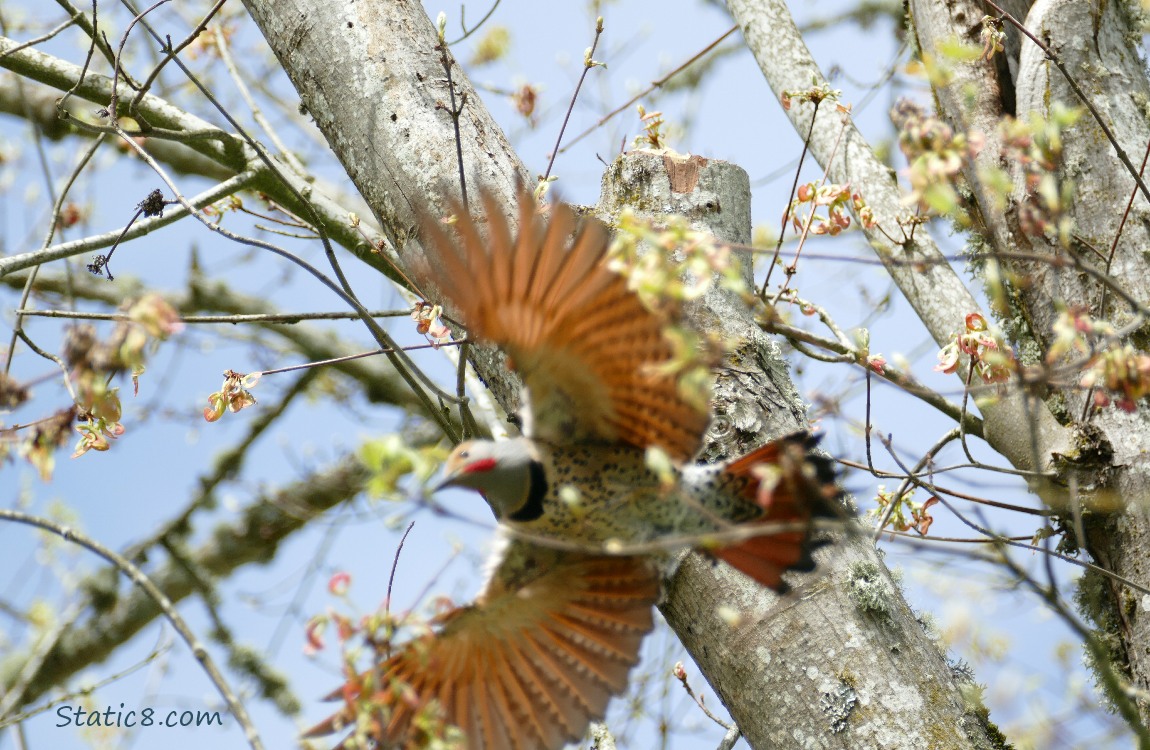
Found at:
<point>827,665</point>
<point>813,670</point>
<point>1095,42</point>
<point>935,291</point>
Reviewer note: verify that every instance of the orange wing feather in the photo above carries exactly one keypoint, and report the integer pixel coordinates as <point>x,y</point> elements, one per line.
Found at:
<point>587,348</point>
<point>527,667</point>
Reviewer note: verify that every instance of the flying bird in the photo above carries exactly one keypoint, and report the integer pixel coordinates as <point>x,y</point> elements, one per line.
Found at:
<point>558,625</point>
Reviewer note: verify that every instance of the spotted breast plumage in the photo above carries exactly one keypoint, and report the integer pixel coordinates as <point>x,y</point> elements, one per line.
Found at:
<point>590,517</point>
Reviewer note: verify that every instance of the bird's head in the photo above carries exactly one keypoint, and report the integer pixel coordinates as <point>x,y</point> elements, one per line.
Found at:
<point>506,473</point>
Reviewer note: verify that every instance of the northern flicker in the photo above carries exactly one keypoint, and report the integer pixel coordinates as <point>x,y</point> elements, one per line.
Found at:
<point>559,623</point>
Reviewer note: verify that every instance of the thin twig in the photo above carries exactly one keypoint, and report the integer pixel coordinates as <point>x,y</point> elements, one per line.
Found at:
<point>137,576</point>
<point>588,63</point>
<point>257,114</point>
<point>23,716</point>
<point>170,52</point>
<point>463,23</point>
<point>954,539</point>
<point>790,269</point>
<point>394,566</point>
<point>446,59</point>
<point>1114,244</point>
<point>95,33</point>
<point>51,358</point>
<point>361,355</point>
<point>114,104</point>
<point>907,480</point>
<point>26,293</point>
<point>681,675</point>
<point>103,262</point>
<point>1021,545</point>
<point>287,318</point>
<point>42,38</point>
<point>790,200</point>
<point>89,28</point>
<point>869,426</point>
<point>654,85</point>
<point>934,487</point>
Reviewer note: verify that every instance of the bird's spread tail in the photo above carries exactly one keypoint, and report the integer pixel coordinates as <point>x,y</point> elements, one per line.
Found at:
<point>791,484</point>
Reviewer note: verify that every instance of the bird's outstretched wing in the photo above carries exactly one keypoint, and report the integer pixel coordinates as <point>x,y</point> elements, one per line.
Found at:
<point>527,667</point>
<point>588,350</point>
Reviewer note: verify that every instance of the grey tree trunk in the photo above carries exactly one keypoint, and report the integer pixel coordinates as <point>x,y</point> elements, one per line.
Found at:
<point>1093,40</point>
<point>824,667</point>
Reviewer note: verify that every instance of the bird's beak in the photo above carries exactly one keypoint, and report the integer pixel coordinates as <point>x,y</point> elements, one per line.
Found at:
<point>450,479</point>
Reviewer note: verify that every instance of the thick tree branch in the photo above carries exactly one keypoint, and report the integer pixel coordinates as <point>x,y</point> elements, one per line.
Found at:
<point>227,150</point>
<point>262,527</point>
<point>933,289</point>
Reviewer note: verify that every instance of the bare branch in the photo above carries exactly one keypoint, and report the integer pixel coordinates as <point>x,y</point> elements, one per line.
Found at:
<point>160,601</point>
<point>261,527</point>
<point>934,290</point>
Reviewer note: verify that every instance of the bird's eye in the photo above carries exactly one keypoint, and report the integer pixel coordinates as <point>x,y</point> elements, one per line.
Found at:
<point>464,454</point>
